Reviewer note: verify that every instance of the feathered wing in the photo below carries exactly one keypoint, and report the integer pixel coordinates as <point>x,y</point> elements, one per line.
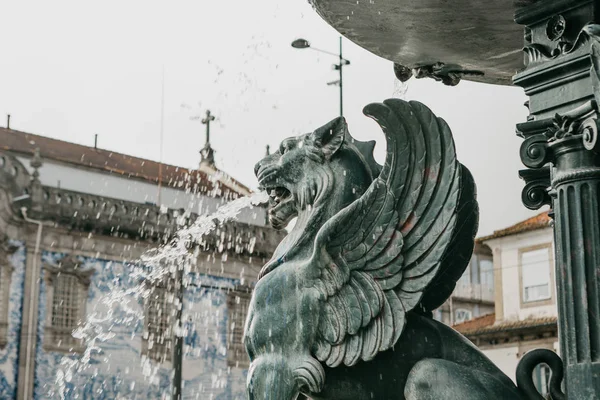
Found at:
<point>459,251</point>
<point>386,247</point>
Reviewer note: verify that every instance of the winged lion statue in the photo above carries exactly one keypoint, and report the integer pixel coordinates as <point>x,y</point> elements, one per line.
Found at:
<point>343,310</point>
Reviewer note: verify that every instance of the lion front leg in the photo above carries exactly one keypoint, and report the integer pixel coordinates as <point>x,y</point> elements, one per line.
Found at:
<point>276,377</point>
<point>271,378</point>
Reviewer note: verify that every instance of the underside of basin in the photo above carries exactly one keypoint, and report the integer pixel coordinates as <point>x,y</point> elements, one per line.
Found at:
<point>480,37</point>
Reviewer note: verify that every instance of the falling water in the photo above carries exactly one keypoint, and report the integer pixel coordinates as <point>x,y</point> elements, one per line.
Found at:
<point>400,89</point>
<point>153,266</point>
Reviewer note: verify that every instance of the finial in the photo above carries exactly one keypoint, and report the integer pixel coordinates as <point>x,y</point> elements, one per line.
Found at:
<point>268,150</point>
<point>36,163</point>
<point>35,186</point>
<point>207,154</point>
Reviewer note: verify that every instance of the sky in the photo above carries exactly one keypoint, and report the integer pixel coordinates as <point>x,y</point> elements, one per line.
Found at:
<point>72,69</point>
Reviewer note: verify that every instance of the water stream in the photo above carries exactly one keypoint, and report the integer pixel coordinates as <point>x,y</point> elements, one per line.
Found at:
<point>179,253</point>
<point>400,89</point>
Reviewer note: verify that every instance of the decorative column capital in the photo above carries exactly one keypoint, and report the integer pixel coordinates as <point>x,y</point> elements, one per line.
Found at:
<point>549,140</point>
<point>536,192</point>
<point>549,137</point>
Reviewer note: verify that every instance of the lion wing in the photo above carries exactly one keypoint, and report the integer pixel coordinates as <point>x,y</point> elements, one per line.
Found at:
<point>387,246</point>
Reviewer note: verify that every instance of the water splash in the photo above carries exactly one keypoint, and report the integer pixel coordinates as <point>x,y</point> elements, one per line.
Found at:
<point>154,266</point>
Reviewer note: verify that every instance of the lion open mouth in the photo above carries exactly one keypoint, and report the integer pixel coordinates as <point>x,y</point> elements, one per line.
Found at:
<point>281,206</point>
<point>278,195</point>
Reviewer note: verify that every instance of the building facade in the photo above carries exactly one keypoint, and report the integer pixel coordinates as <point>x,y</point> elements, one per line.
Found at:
<point>473,295</point>
<point>79,229</point>
<point>525,315</point>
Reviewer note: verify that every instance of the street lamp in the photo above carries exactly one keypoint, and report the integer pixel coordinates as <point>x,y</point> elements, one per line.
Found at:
<point>305,44</point>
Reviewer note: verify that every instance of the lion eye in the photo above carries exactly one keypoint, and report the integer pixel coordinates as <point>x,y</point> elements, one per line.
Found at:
<point>286,146</point>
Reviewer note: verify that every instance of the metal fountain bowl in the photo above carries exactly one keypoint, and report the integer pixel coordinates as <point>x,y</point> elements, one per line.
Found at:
<point>477,40</point>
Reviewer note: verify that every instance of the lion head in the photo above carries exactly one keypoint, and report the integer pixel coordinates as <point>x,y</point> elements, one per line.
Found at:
<point>306,169</point>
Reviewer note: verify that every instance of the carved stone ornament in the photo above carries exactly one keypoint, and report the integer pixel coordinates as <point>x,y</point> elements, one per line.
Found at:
<point>439,71</point>
<point>567,132</point>
<point>536,192</point>
<point>72,266</point>
<point>537,53</point>
<point>6,271</point>
<point>547,140</point>
<point>6,249</point>
<point>343,310</point>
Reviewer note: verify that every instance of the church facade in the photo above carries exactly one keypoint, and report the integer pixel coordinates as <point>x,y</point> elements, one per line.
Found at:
<point>76,226</point>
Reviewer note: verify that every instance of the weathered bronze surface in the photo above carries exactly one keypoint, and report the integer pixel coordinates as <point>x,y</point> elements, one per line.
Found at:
<point>474,40</point>
<point>445,41</point>
<point>343,309</point>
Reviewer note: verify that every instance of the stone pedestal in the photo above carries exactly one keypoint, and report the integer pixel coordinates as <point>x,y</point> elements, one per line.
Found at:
<point>561,149</point>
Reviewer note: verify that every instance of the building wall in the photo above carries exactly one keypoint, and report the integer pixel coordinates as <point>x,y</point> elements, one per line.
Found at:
<point>9,355</point>
<point>509,299</point>
<point>117,370</point>
<point>473,295</point>
<point>205,348</point>
<point>508,249</point>
<point>476,309</point>
<point>507,356</point>
<point>82,180</point>
<point>452,305</point>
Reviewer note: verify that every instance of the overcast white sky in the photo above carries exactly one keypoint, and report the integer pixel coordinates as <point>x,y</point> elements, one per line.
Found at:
<point>71,69</point>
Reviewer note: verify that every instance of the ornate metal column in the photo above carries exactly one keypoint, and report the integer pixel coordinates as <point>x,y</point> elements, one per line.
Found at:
<point>561,149</point>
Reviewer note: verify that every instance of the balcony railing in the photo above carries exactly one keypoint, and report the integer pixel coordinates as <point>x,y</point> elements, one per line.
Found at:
<point>474,292</point>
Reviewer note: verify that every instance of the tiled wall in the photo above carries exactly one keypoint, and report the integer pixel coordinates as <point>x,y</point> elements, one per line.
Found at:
<point>117,370</point>
<point>9,355</point>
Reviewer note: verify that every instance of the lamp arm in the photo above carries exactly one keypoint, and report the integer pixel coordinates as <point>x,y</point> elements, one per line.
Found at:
<point>323,51</point>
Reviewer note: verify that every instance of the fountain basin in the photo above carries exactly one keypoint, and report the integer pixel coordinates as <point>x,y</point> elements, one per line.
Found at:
<point>462,34</point>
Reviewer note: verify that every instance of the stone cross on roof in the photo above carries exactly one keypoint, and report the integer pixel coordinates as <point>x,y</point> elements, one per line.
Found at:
<point>207,154</point>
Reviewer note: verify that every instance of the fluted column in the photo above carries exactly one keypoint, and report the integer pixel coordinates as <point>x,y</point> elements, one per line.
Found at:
<point>576,193</point>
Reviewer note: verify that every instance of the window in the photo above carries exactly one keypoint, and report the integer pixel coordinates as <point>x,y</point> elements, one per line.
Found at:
<point>6,270</point>
<point>67,286</point>
<point>238,302</point>
<point>157,341</point>
<point>462,315</point>
<point>535,274</point>
<point>465,279</point>
<point>65,304</point>
<point>486,270</point>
